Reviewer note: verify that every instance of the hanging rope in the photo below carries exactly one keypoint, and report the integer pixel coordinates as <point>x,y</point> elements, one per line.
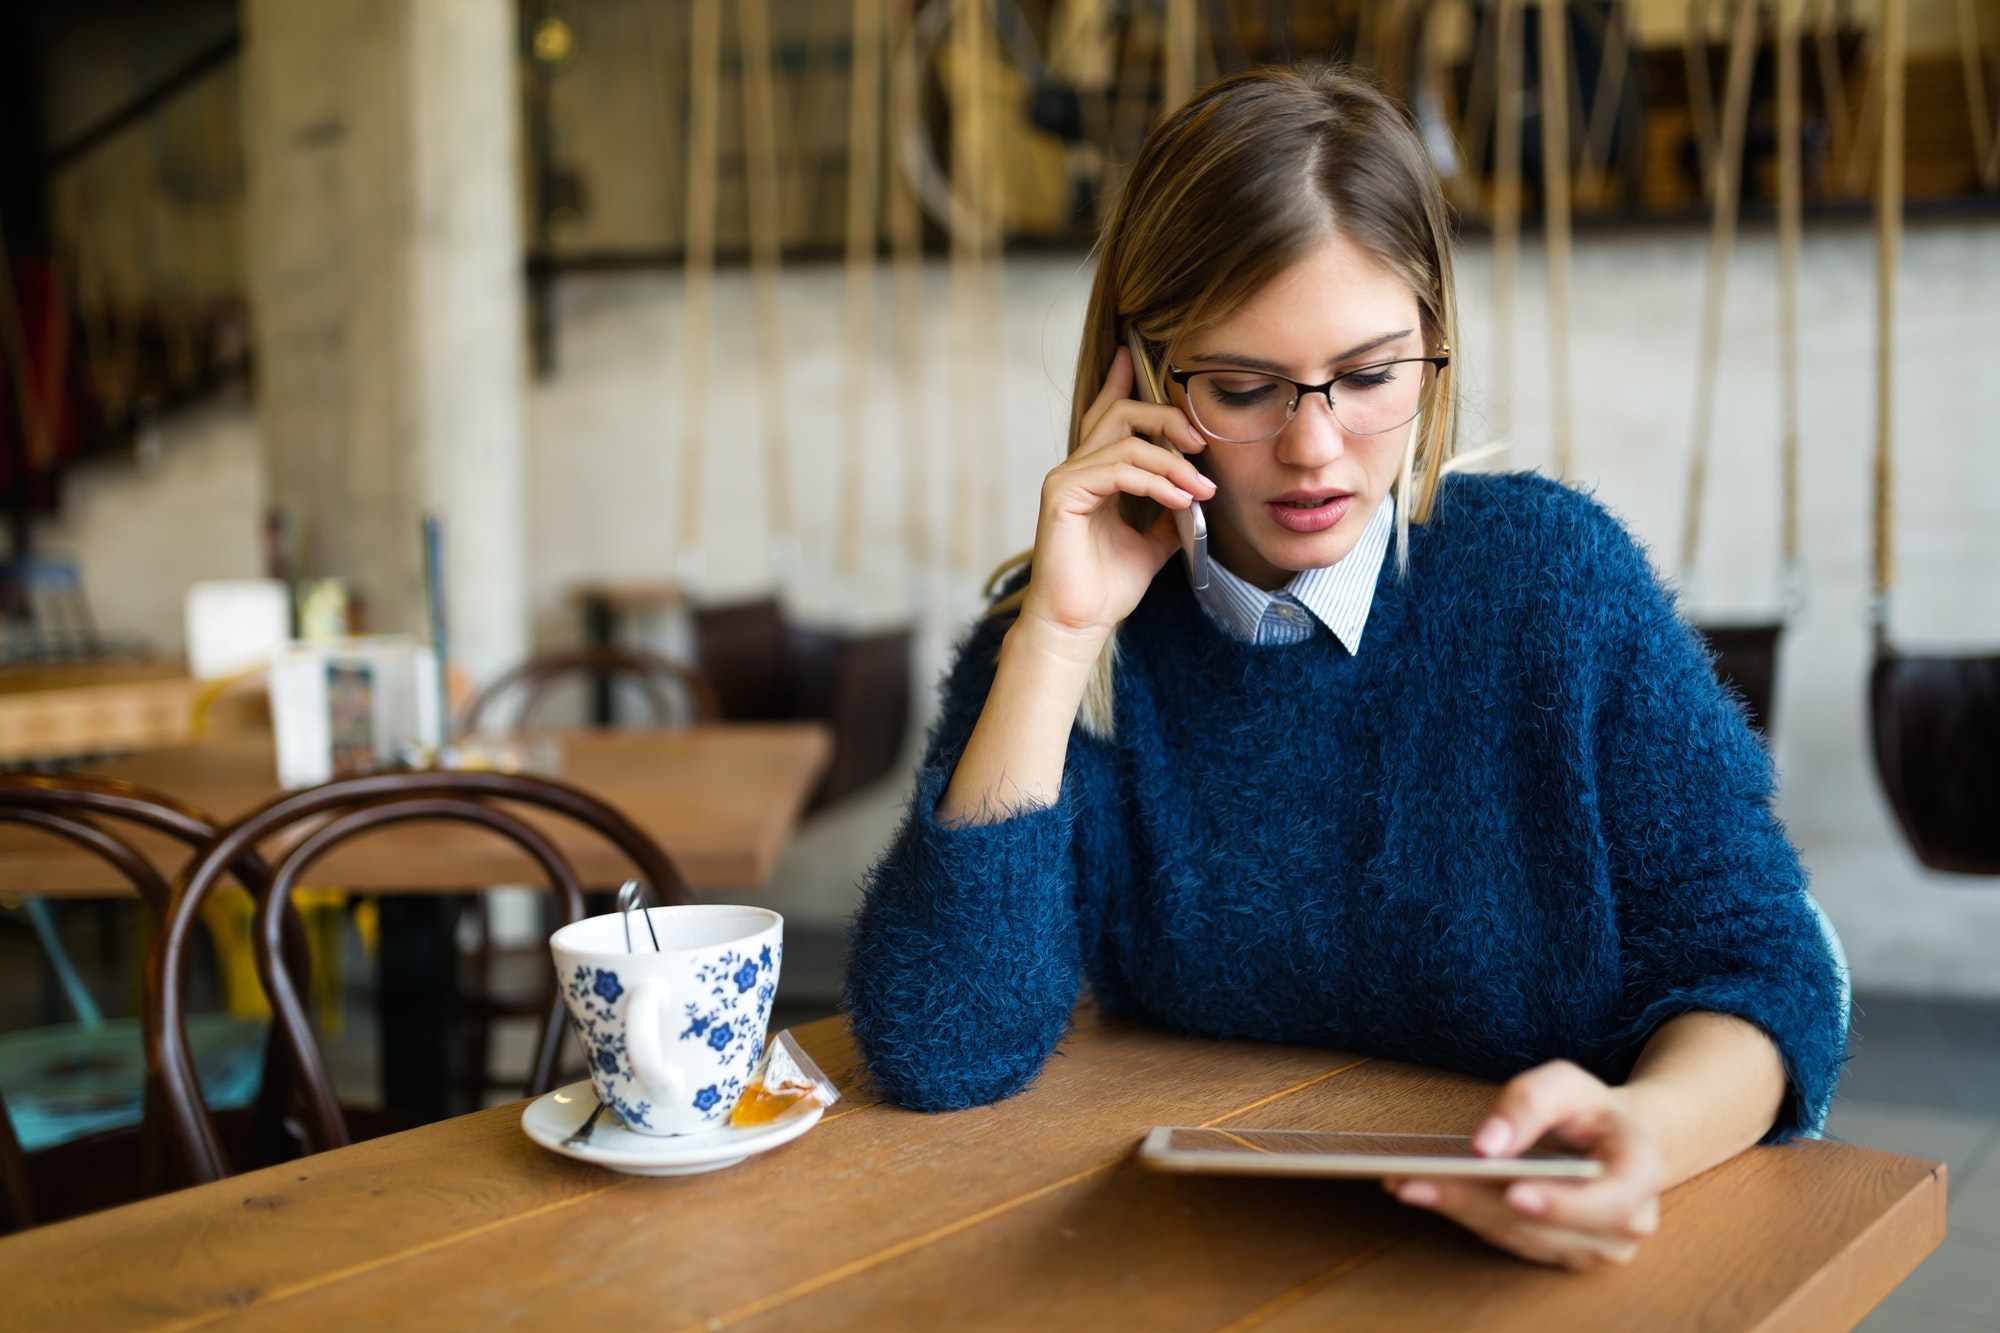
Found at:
<point>1832,85</point>
<point>906,242</point>
<point>864,148</point>
<point>1888,241</point>
<point>1701,97</point>
<point>1506,212</point>
<point>760,142</point>
<point>1985,134</point>
<point>1791,207</point>
<point>1131,111</point>
<point>1178,58</point>
<point>1868,125</point>
<point>970,171</point>
<point>1555,218</point>
<point>1605,99</point>
<point>704,110</point>
<point>1721,243</point>
<point>1481,106</point>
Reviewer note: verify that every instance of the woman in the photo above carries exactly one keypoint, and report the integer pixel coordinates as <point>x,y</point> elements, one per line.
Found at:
<point>1430,769</point>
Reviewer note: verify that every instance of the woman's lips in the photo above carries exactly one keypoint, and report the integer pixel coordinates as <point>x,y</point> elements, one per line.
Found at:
<point>1305,513</point>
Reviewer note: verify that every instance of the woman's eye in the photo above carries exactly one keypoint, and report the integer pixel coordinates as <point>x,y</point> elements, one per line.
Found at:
<point>1369,379</point>
<point>1241,391</point>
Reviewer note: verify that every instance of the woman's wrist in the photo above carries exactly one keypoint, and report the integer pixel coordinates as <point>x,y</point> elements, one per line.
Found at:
<point>1050,645</point>
<point>1014,758</point>
<point>1706,1087</point>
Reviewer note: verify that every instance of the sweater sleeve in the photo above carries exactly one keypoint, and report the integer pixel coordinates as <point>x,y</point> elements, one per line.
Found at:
<point>964,963</point>
<point>1712,907</point>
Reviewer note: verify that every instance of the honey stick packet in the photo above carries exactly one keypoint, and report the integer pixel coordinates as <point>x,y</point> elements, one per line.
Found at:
<point>786,1082</point>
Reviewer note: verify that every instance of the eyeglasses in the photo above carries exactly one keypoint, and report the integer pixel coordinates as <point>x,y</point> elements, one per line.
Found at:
<point>1248,406</point>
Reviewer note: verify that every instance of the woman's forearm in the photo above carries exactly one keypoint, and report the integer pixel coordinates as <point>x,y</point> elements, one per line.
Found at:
<point>1013,760</point>
<point>1708,1086</point>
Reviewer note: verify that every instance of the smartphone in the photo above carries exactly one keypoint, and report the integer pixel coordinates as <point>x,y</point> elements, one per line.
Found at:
<point>1141,512</point>
<point>1339,1154</point>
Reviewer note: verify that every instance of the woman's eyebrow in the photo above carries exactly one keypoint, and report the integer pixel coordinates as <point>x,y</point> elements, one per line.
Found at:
<point>1258,363</point>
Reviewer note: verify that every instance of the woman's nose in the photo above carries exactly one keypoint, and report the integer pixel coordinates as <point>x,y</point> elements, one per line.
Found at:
<point>1312,438</point>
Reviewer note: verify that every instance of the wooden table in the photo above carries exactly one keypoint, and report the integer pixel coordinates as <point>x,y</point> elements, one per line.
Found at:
<point>50,712</point>
<point>1029,1214</point>
<point>721,799</point>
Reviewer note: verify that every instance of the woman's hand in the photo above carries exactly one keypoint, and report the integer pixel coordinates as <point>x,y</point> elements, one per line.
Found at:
<point>1090,567</point>
<point>1577,1224</point>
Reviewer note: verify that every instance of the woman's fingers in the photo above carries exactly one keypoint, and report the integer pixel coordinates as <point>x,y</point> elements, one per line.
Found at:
<point>1611,1208</point>
<point>1545,1098</point>
<point>1117,384</point>
<point>1139,453</point>
<point>1552,1245</point>
<point>1576,1224</point>
<point>1125,417</point>
<point>1484,1210</point>
<point>1624,1201</point>
<point>1094,485</point>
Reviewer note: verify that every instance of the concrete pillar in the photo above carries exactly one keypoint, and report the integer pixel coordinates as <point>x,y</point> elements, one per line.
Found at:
<point>385,283</point>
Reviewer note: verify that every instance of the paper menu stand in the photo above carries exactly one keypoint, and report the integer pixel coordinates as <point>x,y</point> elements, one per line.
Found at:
<point>235,625</point>
<point>350,706</point>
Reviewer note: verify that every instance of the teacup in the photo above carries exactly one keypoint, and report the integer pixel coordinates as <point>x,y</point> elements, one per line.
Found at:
<point>672,1033</point>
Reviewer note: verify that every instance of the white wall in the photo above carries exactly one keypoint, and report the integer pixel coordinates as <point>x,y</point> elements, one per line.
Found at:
<point>186,508</point>
<point>602,466</point>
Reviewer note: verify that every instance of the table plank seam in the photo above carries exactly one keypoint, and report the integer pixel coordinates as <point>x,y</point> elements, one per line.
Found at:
<point>867,1261</point>
<point>1286,1300</point>
<point>856,1266</point>
<point>283,1293</point>
<point>1281,1095</point>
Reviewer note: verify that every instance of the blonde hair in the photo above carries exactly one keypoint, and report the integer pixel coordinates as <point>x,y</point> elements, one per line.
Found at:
<point>1239,184</point>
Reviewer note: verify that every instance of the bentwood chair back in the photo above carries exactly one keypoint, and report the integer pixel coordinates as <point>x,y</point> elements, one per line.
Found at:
<point>114,1162</point>
<point>328,816</point>
<point>659,679</point>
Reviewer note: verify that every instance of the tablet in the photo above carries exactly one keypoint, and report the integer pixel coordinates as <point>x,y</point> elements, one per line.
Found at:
<point>1318,1152</point>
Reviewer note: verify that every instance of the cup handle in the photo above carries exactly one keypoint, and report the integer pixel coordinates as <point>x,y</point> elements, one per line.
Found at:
<point>645,1044</point>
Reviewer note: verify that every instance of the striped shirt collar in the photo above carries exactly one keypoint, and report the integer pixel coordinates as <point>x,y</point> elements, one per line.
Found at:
<point>1338,596</point>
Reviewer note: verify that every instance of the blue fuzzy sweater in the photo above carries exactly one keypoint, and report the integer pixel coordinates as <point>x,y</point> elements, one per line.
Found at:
<point>1523,824</point>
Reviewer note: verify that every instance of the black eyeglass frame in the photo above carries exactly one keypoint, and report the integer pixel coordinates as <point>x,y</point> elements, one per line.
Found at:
<point>1299,392</point>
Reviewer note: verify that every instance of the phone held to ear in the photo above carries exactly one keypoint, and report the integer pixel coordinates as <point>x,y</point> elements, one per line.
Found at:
<point>1141,512</point>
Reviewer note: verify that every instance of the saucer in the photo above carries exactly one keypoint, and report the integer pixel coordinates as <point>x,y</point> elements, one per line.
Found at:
<point>554,1116</point>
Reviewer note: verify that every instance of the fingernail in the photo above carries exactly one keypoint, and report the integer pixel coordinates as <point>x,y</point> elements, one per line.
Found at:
<point>1493,1137</point>
<point>1527,1199</point>
<point>1419,1192</point>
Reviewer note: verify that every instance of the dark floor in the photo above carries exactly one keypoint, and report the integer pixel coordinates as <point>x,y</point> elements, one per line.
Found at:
<point>1924,1079</point>
<point>1925,1053</point>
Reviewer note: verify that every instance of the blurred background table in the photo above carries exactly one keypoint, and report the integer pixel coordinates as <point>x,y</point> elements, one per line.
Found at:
<point>721,800</point>
<point>51,711</point>
<point>1028,1214</point>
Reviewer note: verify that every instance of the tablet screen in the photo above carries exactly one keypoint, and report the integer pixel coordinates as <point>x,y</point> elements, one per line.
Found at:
<point>1314,1152</point>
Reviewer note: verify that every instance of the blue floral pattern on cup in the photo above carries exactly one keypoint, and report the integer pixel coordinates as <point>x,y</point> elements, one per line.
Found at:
<point>592,992</point>
<point>737,988</point>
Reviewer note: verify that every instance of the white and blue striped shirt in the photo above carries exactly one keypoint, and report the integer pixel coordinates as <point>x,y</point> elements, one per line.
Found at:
<point>1338,595</point>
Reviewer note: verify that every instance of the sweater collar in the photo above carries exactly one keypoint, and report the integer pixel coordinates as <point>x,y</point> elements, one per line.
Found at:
<point>1339,595</point>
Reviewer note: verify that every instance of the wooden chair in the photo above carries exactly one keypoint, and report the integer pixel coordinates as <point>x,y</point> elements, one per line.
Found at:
<point>123,1161</point>
<point>659,680</point>
<point>674,694</point>
<point>329,815</point>
<point>766,668</point>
